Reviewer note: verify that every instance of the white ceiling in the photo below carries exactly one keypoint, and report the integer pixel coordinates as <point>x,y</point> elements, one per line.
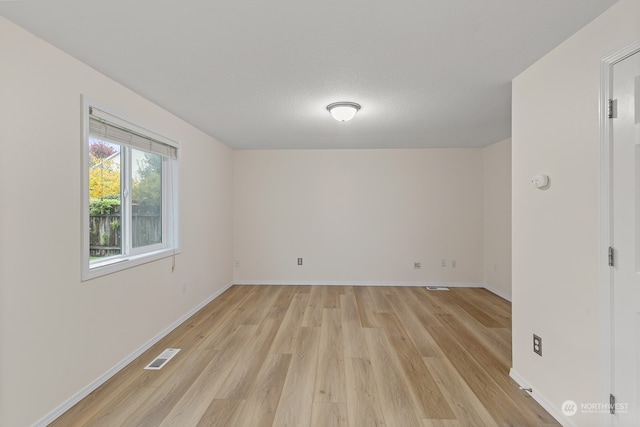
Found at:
<point>259,74</point>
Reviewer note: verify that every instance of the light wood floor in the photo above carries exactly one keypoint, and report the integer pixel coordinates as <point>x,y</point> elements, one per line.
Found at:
<point>326,356</point>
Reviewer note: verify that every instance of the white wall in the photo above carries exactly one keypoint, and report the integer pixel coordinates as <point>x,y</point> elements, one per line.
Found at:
<point>359,215</point>
<point>57,334</point>
<point>497,217</point>
<point>556,232</point>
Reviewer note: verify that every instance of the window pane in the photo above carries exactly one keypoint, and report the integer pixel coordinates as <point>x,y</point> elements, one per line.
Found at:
<point>105,239</point>
<point>146,198</point>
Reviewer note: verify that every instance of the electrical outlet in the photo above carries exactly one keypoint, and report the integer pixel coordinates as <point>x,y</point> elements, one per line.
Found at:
<point>537,345</point>
<point>299,261</point>
<point>236,263</point>
<point>417,265</point>
<point>453,263</point>
<point>443,262</point>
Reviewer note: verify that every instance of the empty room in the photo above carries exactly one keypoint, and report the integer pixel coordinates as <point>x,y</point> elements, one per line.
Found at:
<point>409,213</point>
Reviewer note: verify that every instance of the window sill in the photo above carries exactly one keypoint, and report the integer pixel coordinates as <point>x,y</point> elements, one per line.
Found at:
<point>106,267</point>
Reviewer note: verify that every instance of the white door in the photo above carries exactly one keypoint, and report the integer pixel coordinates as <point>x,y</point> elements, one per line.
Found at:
<point>626,239</point>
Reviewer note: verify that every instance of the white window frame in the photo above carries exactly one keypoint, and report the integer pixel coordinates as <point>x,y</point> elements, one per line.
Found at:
<point>130,257</point>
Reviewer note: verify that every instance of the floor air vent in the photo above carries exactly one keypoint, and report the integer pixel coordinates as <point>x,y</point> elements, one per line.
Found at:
<point>437,288</point>
<point>162,360</point>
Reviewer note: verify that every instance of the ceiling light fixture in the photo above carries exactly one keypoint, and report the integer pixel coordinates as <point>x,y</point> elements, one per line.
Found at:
<point>343,111</point>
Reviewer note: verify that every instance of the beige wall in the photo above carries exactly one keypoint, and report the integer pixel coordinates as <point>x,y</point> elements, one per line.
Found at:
<point>359,215</point>
<point>497,217</point>
<point>57,335</point>
<point>556,243</point>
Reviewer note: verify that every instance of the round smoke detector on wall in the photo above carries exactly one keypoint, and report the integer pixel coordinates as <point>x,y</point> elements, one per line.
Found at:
<point>540,181</point>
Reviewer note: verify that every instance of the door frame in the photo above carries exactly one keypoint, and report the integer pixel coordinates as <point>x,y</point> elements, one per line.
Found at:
<point>606,290</point>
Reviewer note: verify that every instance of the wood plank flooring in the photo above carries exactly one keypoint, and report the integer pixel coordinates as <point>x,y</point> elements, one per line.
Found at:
<point>326,356</point>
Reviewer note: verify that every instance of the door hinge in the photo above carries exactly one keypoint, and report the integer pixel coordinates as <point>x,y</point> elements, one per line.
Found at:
<point>611,109</point>
<point>611,264</point>
<point>612,404</point>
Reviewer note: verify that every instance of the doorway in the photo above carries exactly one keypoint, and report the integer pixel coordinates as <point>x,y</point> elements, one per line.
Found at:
<point>623,115</point>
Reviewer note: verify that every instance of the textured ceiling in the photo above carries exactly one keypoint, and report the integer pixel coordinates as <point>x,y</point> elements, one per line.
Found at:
<point>259,74</point>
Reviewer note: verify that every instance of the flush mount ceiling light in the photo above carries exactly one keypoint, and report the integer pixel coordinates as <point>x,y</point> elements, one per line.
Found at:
<point>343,111</point>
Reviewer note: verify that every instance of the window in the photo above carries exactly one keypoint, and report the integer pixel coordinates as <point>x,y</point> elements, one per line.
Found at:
<point>129,194</point>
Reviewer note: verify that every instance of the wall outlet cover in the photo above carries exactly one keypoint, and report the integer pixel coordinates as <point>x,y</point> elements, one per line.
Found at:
<point>537,345</point>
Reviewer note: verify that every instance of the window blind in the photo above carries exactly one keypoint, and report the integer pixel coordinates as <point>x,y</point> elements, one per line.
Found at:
<point>117,131</point>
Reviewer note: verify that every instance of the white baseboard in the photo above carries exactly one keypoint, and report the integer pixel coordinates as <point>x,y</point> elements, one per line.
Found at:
<point>335,283</point>
<point>543,401</point>
<point>501,294</point>
<point>69,403</point>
